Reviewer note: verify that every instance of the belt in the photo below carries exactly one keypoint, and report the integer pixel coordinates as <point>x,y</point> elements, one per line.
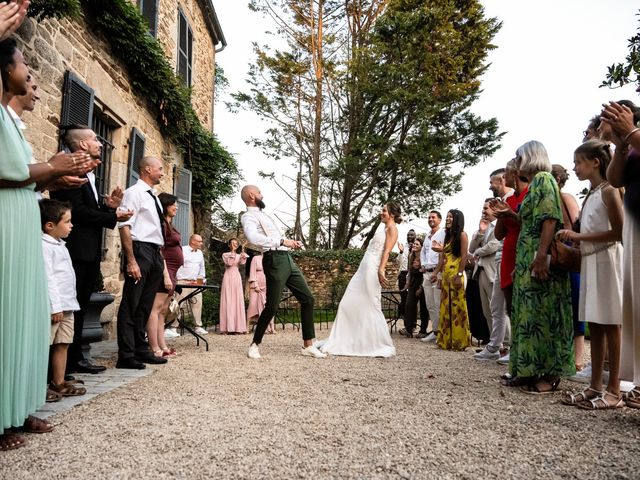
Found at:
<point>154,246</point>
<point>276,252</point>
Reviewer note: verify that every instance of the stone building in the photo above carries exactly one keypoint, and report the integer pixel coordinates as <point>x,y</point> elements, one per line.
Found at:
<point>80,81</point>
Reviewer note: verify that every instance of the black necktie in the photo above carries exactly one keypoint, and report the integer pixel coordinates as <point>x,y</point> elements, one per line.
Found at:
<point>162,220</point>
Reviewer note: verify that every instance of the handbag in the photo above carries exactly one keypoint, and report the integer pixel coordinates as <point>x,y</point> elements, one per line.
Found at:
<point>564,257</point>
<point>173,309</point>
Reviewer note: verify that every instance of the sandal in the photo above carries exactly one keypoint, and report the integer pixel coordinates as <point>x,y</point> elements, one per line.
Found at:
<point>68,389</point>
<point>537,388</point>
<point>600,402</point>
<point>11,441</point>
<point>632,402</point>
<point>72,379</point>
<point>36,425</point>
<point>53,396</point>
<point>576,398</point>
<point>169,353</point>
<point>512,381</point>
<point>632,394</point>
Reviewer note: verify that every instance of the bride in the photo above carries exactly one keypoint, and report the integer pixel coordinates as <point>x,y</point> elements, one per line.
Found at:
<point>360,328</point>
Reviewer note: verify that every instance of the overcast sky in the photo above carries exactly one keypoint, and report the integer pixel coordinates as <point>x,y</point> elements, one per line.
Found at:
<point>543,84</point>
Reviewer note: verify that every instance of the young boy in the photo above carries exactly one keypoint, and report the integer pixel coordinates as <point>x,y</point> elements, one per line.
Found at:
<point>56,225</point>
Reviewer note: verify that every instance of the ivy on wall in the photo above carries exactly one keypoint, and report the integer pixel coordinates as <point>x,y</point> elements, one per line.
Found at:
<point>215,171</point>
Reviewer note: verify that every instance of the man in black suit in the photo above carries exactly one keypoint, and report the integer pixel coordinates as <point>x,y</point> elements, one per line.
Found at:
<point>90,216</point>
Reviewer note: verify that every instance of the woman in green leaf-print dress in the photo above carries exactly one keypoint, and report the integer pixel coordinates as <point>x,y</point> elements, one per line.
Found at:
<point>542,330</point>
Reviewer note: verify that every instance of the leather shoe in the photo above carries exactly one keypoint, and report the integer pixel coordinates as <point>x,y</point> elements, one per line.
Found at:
<point>150,358</point>
<point>130,363</point>
<point>86,366</point>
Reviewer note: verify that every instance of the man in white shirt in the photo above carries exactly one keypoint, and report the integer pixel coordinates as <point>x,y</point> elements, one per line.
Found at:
<point>280,270</point>
<point>141,238</point>
<point>191,271</point>
<point>429,261</point>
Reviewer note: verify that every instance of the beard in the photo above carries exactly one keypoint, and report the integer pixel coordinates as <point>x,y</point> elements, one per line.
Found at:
<point>260,204</point>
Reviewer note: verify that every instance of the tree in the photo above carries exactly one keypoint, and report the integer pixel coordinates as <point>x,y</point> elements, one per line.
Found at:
<point>622,73</point>
<point>394,121</point>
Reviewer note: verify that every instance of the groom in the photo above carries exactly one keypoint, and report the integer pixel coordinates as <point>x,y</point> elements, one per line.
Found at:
<point>280,270</point>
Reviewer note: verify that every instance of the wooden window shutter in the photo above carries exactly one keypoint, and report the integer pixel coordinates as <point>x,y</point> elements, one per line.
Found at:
<point>77,101</point>
<point>136,152</point>
<point>182,190</point>
<point>149,10</point>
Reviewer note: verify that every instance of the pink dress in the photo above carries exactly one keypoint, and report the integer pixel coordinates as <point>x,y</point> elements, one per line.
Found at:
<point>257,292</point>
<point>232,314</point>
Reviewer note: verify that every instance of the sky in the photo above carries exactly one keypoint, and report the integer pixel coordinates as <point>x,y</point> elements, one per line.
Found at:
<point>542,84</point>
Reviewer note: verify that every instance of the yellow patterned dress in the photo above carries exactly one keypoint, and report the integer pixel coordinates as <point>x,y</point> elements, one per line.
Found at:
<point>454,332</point>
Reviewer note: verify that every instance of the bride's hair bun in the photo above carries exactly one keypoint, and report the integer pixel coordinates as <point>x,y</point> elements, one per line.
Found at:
<point>395,211</point>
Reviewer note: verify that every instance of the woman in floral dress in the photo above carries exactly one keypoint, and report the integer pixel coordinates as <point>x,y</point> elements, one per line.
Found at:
<point>454,332</point>
<point>542,326</point>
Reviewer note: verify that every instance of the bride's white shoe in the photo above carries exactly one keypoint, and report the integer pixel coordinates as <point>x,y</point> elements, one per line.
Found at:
<point>312,351</point>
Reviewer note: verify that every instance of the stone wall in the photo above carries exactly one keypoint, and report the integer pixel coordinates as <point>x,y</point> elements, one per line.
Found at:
<point>53,46</point>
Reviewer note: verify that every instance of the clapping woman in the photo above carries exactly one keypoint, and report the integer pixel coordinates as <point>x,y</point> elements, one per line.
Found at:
<point>232,312</point>
<point>453,328</point>
<point>24,308</point>
<point>542,327</point>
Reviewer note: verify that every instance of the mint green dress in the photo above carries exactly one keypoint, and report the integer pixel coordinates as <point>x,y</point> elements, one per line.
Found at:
<point>542,323</point>
<point>24,304</point>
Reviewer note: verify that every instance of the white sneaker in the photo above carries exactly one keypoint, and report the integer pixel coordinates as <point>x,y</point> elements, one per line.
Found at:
<point>584,375</point>
<point>503,360</point>
<point>200,331</point>
<point>171,333</point>
<point>253,352</point>
<point>312,351</point>
<point>487,354</point>
<point>432,337</point>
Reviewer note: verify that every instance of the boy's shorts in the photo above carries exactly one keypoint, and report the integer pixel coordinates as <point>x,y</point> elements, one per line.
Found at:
<point>62,332</point>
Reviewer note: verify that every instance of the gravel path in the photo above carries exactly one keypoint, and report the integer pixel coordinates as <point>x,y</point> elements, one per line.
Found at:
<point>423,414</point>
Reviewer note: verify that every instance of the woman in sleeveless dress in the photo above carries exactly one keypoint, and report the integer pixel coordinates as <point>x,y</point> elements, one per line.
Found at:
<point>360,328</point>
<point>453,328</point>
<point>173,260</point>
<point>232,313</point>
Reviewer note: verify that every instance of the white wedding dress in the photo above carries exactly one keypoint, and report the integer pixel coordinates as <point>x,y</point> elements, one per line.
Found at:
<point>360,329</point>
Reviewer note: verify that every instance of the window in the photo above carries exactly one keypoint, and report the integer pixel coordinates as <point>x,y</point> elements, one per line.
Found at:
<point>149,10</point>
<point>185,45</point>
<point>136,152</point>
<point>182,188</point>
<point>77,101</point>
<point>104,128</point>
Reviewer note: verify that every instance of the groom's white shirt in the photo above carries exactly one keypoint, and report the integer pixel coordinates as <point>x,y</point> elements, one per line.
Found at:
<point>261,230</point>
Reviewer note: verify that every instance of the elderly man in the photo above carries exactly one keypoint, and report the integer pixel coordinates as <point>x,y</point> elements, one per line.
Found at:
<point>141,238</point>
<point>191,271</point>
<point>90,215</point>
<point>279,269</point>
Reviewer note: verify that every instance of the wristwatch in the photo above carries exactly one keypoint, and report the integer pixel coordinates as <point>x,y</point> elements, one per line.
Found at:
<point>460,274</point>
<point>281,241</point>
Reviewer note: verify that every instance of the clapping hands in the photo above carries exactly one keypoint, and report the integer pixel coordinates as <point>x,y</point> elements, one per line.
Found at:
<point>11,17</point>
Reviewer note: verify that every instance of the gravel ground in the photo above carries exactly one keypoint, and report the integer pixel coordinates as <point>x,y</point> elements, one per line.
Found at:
<point>423,414</point>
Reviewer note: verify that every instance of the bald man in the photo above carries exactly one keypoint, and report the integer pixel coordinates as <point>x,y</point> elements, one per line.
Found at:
<point>141,238</point>
<point>279,269</point>
<point>90,215</point>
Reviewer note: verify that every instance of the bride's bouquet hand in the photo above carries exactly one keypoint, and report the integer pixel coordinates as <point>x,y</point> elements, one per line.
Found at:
<point>383,279</point>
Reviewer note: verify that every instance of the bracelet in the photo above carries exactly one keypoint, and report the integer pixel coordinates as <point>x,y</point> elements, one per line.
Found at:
<point>49,165</point>
<point>626,139</point>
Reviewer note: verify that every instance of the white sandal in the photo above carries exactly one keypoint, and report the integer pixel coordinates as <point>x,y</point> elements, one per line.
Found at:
<point>572,398</point>
<point>592,404</point>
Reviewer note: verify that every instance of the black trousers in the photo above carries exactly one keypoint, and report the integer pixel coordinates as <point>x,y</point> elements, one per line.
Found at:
<point>137,301</point>
<point>86,275</point>
<point>280,270</point>
<point>402,282</point>
<point>411,305</point>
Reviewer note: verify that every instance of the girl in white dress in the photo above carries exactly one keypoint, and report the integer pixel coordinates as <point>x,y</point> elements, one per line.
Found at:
<point>600,274</point>
<point>360,328</point>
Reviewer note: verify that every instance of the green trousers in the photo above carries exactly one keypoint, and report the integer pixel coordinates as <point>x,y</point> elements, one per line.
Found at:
<point>281,271</point>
